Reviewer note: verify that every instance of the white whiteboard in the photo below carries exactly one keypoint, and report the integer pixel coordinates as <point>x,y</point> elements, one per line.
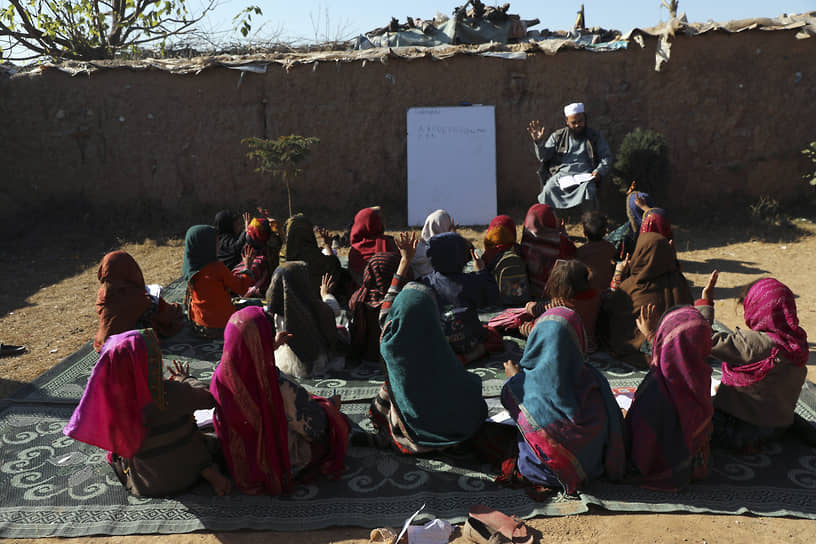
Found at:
<point>452,163</point>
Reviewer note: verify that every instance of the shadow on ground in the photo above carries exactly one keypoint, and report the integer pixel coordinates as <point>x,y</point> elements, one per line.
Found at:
<point>49,252</point>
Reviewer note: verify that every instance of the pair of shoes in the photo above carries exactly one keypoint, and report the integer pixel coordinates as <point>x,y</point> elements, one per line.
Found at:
<point>487,526</point>
<point>8,350</point>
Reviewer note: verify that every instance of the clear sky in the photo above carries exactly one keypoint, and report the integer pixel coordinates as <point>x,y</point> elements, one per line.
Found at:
<point>303,19</point>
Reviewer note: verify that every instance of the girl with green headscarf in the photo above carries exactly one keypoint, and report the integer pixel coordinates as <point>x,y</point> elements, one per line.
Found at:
<point>210,283</point>
<point>429,400</point>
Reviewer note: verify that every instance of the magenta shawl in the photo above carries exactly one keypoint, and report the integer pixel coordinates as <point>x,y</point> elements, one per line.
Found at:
<point>669,421</point>
<point>249,416</point>
<point>770,307</point>
<point>127,378</point>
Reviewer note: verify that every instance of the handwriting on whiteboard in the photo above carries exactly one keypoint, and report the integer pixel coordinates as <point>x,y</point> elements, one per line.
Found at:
<point>431,132</point>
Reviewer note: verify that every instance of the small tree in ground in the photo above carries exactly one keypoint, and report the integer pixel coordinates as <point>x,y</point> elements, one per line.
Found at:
<point>280,157</point>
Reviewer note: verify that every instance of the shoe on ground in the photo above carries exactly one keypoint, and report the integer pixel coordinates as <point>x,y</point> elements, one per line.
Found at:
<point>9,350</point>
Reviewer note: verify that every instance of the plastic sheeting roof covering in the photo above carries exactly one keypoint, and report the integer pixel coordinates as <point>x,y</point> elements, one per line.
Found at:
<point>805,24</point>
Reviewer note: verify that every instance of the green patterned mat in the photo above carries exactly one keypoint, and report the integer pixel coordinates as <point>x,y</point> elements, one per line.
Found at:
<point>51,485</point>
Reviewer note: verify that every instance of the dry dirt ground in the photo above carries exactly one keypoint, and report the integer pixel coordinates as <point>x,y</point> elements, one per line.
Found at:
<point>47,303</point>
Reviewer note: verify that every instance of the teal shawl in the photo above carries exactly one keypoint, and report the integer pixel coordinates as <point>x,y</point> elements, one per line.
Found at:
<point>199,250</point>
<point>439,401</point>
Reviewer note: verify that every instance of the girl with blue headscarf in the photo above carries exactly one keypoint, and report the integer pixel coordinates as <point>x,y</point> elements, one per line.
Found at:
<point>570,429</point>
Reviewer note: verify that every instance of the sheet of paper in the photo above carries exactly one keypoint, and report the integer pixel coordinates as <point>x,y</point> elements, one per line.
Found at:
<point>624,401</point>
<point>565,182</point>
<point>715,383</point>
<point>204,417</point>
<point>408,522</point>
<point>502,417</point>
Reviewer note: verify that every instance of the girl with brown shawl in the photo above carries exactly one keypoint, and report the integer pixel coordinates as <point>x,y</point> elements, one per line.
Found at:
<point>653,278</point>
<point>300,244</point>
<point>124,304</point>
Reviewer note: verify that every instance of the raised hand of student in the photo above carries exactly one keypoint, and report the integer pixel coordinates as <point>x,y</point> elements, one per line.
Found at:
<point>407,245</point>
<point>478,262</point>
<point>708,290</point>
<point>247,220</point>
<point>282,338</point>
<point>179,371</point>
<point>247,254</point>
<point>536,131</point>
<point>323,234</point>
<point>632,188</point>
<point>326,285</point>
<point>511,368</point>
<point>647,320</point>
<point>622,268</point>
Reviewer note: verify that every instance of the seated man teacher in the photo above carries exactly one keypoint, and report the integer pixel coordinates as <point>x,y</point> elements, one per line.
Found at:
<point>573,160</point>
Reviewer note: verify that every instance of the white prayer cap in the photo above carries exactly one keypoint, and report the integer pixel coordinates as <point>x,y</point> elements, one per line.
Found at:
<point>572,109</point>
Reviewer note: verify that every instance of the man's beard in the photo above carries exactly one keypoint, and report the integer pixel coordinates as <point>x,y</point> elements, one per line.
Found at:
<point>577,132</point>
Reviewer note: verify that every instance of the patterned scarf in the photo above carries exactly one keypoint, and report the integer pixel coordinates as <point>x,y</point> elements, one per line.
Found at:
<point>770,307</point>
<point>543,243</point>
<point>377,277</point>
<point>562,406</point>
<point>500,236</point>
<point>250,420</point>
<point>258,232</point>
<point>634,213</point>
<point>669,421</point>
<point>655,220</point>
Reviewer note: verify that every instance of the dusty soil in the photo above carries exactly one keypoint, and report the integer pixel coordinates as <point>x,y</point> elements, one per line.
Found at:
<point>50,286</point>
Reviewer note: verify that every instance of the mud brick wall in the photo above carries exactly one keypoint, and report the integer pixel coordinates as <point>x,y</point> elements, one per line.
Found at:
<point>735,108</point>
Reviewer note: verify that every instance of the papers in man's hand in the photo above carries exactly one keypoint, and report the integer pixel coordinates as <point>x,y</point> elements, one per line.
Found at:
<point>565,182</point>
<point>204,418</point>
<point>624,396</point>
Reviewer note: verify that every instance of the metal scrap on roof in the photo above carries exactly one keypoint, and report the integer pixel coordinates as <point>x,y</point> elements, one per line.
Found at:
<point>536,42</point>
<point>805,23</point>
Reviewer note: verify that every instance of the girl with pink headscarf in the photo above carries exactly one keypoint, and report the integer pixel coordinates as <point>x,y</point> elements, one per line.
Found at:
<point>763,368</point>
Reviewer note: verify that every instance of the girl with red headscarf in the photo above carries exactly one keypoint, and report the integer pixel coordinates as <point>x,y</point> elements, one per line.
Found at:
<point>543,243</point>
<point>124,304</point>
<point>367,238</point>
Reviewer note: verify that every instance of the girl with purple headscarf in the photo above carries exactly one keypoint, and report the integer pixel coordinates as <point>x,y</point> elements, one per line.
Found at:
<point>763,368</point>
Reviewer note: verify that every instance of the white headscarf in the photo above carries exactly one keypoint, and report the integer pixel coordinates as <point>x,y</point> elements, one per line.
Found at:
<point>436,223</point>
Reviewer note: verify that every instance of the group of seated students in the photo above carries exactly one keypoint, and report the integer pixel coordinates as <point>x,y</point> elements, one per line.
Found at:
<point>413,307</point>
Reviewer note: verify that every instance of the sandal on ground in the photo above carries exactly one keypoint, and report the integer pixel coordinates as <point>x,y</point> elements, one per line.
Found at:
<point>9,350</point>
<point>384,535</point>
<point>513,528</point>
<point>476,531</point>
